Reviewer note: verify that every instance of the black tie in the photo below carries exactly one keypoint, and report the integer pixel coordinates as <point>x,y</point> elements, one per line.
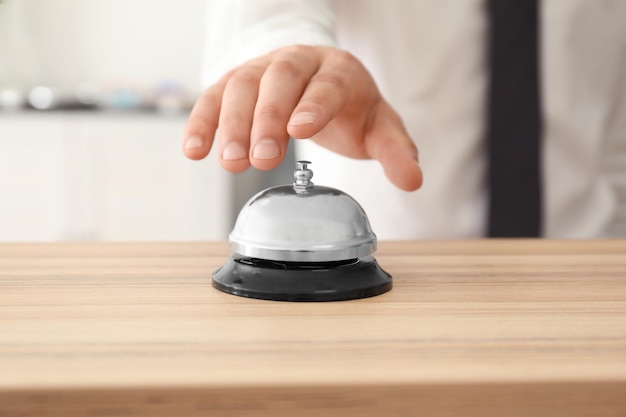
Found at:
<point>514,119</point>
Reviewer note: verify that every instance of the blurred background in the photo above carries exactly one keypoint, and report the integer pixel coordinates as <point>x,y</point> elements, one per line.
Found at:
<point>94,96</point>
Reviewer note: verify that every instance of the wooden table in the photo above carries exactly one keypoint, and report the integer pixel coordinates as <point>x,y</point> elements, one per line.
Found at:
<point>506,328</point>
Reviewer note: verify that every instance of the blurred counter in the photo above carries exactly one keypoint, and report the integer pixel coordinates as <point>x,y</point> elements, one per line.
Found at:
<point>89,175</point>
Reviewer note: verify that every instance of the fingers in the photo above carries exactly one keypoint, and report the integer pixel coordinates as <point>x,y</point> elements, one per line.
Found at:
<point>390,144</point>
<point>254,105</point>
<point>202,122</point>
<point>235,121</point>
<point>280,89</point>
<point>326,94</point>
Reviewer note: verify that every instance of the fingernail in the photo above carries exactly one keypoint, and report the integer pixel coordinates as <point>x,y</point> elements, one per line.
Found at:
<point>193,142</point>
<point>233,151</point>
<point>266,149</point>
<point>304,118</point>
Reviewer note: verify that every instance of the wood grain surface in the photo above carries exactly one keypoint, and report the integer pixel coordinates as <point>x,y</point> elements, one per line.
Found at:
<point>492,327</point>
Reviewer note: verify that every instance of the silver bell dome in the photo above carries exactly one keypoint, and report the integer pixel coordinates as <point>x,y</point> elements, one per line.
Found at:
<point>302,223</point>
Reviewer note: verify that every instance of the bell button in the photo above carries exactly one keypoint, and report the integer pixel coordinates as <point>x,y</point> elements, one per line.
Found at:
<point>302,177</point>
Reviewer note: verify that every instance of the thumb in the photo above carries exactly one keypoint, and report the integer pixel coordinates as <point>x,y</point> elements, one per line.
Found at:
<point>388,142</point>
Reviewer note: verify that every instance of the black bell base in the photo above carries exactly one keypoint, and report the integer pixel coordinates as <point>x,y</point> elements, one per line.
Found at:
<point>295,281</point>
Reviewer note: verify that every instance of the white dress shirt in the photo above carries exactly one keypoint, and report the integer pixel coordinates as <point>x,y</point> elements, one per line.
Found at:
<point>428,58</point>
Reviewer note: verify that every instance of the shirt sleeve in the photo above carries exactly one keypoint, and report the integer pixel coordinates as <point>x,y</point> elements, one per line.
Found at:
<point>239,30</point>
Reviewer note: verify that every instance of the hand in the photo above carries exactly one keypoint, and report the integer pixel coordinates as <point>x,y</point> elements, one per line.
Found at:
<point>320,93</point>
